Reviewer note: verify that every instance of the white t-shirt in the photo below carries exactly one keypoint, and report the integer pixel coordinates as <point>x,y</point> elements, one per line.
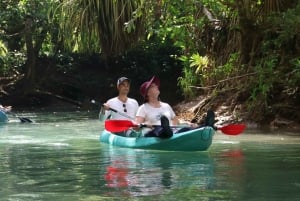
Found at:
<point>129,108</point>
<point>152,114</point>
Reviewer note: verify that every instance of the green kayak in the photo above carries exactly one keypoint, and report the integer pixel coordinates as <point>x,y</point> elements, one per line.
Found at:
<point>3,117</point>
<point>194,140</point>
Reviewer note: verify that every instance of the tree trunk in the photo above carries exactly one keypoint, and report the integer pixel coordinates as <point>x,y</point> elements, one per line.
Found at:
<point>30,64</point>
<point>33,47</point>
<point>248,30</point>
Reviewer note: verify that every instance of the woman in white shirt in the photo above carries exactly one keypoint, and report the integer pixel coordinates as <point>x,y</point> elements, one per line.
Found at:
<point>155,112</point>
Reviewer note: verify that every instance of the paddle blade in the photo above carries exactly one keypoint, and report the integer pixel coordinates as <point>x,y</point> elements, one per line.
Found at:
<point>118,125</point>
<point>233,129</point>
<point>25,120</point>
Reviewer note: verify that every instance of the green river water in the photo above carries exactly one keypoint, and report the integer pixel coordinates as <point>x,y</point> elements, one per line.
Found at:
<point>59,157</point>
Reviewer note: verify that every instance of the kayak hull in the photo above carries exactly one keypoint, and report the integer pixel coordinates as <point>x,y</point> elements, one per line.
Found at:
<point>194,140</point>
<point>3,117</point>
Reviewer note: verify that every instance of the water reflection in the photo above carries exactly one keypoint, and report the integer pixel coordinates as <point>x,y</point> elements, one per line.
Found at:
<point>232,170</point>
<point>140,172</point>
<point>116,176</point>
<point>234,160</point>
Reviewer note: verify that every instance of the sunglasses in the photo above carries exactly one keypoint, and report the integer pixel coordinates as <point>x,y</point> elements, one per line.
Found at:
<point>124,106</point>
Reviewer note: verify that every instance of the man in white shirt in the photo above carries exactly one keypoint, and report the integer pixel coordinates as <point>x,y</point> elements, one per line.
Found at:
<point>126,107</point>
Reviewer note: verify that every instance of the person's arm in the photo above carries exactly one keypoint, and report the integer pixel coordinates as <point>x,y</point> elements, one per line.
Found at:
<point>142,130</point>
<point>104,113</point>
<point>139,120</point>
<point>174,118</point>
<point>175,121</point>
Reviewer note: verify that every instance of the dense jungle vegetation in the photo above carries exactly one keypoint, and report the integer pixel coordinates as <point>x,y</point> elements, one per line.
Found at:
<point>239,57</point>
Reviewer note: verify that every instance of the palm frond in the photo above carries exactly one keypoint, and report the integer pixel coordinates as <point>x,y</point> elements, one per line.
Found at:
<point>109,26</point>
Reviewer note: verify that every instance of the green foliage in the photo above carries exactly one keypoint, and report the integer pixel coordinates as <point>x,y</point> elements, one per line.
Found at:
<point>200,63</point>
<point>104,26</point>
<point>3,52</point>
<point>11,24</point>
<point>195,73</point>
<point>228,68</point>
<point>293,77</point>
<point>10,60</point>
<point>13,60</point>
<point>278,65</point>
<point>14,16</point>
<point>287,25</point>
<point>198,71</point>
<point>189,78</point>
<point>3,49</point>
<point>179,22</point>
<point>264,83</point>
<point>282,30</point>
<point>152,57</point>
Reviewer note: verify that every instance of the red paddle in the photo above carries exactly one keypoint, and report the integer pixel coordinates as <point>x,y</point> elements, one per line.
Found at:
<point>122,125</point>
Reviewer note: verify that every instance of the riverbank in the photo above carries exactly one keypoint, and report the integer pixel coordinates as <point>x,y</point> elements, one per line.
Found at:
<point>193,111</point>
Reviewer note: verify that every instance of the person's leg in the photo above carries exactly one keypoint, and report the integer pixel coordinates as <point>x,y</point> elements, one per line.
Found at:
<point>210,118</point>
<point>166,131</point>
<point>155,132</point>
<point>184,129</point>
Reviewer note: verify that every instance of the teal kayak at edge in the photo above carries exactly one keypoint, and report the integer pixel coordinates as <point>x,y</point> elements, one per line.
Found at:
<point>3,117</point>
<point>194,140</point>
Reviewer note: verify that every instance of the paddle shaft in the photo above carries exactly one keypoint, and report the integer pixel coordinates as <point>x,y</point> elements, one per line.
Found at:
<point>121,125</point>
<point>114,110</point>
<point>149,126</point>
<point>120,113</point>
